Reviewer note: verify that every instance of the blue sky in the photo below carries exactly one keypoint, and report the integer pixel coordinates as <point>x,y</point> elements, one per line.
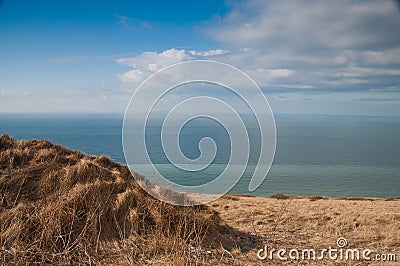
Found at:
<point>323,57</point>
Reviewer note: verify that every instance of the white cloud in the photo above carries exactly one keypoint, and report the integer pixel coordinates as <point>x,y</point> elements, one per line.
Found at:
<point>134,75</point>
<point>152,61</point>
<point>275,73</point>
<point>208,53</point>
<point>147,63</point>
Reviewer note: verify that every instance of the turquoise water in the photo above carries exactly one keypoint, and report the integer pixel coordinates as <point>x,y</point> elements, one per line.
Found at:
<point>338,156</point>
<point>301,180</point>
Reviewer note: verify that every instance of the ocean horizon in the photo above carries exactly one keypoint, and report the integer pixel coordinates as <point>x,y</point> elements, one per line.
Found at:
<point>328,155</point>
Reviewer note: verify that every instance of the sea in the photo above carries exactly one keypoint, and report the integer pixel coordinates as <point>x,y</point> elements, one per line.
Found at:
<point>328,155</point>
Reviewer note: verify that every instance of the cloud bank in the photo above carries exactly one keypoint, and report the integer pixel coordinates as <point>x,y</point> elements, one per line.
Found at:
<point>300,49</point>
<point>288,45</point>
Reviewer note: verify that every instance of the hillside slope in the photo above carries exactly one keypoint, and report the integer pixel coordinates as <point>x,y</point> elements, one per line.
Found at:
<point>63,207</point>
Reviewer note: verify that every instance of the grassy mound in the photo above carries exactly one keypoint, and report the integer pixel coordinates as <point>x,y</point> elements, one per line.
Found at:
<point>63,207</point>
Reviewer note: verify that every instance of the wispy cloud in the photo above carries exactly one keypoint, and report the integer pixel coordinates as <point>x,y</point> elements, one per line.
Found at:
<point>131,23</point>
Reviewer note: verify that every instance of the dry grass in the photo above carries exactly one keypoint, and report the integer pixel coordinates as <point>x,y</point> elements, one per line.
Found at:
<point>63,207</point>
<point>313,222</point>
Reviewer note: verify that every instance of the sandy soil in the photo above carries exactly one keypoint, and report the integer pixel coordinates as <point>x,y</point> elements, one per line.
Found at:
<point>311,222</point>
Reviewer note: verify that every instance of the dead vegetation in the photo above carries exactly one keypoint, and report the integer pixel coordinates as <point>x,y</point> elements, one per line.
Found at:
<point>314,222</point>
<point>63,207</point>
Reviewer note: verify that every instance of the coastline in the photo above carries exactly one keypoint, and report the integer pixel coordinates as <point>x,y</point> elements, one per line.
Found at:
<point>48,188</point>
